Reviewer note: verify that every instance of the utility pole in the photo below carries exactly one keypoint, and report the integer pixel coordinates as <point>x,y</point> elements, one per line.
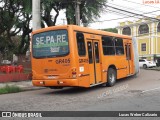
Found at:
<point>77,11</point>
<point>36,16</point>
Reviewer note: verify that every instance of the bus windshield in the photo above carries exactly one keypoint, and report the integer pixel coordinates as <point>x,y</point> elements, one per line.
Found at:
<point>50,44</point>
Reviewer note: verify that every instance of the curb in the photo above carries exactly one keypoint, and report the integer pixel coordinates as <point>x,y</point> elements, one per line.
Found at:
<point>24,85</point>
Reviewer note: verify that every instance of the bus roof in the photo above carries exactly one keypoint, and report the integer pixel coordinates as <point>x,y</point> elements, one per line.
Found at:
<point>81,29</point>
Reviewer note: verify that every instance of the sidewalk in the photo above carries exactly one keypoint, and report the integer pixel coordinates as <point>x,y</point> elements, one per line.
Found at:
<point>24,85</point>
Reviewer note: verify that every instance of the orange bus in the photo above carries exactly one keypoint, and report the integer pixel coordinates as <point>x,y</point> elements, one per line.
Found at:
<point>77,56</point>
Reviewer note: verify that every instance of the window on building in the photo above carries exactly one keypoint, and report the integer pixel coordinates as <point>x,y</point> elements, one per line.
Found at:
<point>81,44</point>
<point>126,31</point>
<point>143,47</point>
<point>158,27</point>
<point>143,29</point>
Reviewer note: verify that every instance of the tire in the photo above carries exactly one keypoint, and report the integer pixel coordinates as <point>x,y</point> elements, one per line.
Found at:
<point>111,77</point>
<point>144,66</point>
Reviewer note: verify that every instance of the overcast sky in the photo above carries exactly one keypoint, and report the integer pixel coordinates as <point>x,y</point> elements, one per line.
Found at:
<point>110,18</point>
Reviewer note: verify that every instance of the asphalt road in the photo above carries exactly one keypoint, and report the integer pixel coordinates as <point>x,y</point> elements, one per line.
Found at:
<point>139,93</point>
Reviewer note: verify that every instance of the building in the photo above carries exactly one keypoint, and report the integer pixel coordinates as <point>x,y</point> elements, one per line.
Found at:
<point>147,33</point>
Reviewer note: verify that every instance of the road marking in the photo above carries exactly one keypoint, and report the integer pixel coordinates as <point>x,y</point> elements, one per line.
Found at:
<point>150,90</point>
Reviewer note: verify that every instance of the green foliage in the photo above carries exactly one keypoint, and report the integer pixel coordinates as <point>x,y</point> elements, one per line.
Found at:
<point>10,89</point>
<point>16,16</point>
<point>27,6</point>
<point>111,30</point>
<point>89,10</point>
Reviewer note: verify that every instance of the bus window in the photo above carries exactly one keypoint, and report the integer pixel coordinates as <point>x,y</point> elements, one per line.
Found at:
<point>90,52</point>
<point>81,44</point>
<point>108,46</point>
<point>119,46</point>
<point>128,52</point>
<point>96,52</point>
<point>50,44</point>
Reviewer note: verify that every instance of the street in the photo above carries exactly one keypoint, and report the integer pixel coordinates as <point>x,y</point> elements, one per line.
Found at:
<point>139,93</point>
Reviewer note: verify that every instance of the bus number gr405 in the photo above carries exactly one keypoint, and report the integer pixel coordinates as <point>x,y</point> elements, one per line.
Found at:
<point>62,61</point>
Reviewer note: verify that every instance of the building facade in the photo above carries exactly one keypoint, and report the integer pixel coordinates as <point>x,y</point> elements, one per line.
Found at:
<point>147,33</point>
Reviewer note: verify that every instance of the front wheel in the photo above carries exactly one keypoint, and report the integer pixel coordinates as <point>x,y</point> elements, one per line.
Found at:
<point>144,66</point>
<point>111,77</point>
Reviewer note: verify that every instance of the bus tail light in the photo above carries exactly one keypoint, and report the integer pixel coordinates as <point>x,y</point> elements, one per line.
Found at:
<point>74,74</point>
<point>42,83</point>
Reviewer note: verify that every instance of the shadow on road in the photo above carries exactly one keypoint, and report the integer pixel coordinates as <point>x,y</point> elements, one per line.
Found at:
<point>80,90</point>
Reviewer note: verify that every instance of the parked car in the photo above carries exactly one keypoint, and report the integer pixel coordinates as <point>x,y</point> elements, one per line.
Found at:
<point>145,63</point>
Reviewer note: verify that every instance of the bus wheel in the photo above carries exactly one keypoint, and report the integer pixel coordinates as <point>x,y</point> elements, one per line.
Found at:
<point>111,77</point>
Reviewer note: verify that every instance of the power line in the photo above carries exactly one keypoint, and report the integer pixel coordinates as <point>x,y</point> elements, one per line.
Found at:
<point>124,17</point>
<point>133,8</point>
<point>133,13</point>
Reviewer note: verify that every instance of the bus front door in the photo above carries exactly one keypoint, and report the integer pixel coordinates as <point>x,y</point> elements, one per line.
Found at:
<point>129,58</point>
<point>94,62</point>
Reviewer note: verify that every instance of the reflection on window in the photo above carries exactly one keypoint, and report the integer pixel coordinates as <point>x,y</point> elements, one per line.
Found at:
<point>90,52</point>
<point>108,45</point>
<point>126,31</point>
<point>128,52</point>
<point>143,29</point>
<point>96,52</point>
<point>81,44</point>
<point>112,46</point>
<point>119,46</point>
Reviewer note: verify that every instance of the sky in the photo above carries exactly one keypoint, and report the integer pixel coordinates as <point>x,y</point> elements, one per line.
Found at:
<point>110,17</point>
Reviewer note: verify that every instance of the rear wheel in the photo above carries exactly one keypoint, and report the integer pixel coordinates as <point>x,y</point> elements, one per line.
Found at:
<point>144,66</point>
<point>111,77</point>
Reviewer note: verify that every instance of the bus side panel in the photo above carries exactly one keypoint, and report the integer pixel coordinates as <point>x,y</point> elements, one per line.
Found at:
<point>81,66</point>
<point>119,62</point>
<point>83,72</point>
<point>121,66</point>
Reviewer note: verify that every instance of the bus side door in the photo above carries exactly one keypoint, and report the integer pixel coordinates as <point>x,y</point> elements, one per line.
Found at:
<point>129,58</point>
<point>94,61</point>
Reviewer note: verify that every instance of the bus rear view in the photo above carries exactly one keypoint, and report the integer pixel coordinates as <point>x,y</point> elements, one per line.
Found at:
<point>77,56</point>
<point>52,64</point>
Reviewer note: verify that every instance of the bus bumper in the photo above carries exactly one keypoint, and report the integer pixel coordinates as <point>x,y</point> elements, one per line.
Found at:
<point>62,82</point>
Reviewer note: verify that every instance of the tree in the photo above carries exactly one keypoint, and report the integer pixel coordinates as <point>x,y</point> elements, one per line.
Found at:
<point>47,6</point>
<point>89,10</point>
<point>15,18</point>
<point>8,17</point>
<point>111,30</point>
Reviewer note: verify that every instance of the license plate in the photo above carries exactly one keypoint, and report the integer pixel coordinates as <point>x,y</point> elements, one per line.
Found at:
<point>52,77</point>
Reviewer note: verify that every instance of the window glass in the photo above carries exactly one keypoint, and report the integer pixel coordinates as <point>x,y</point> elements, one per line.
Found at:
<point>108,45</point>
<point>128,52</point>
<point>143,47</point>
<point>141,60</point>
<point>119,46</point>
<point>126,31</point>
<point>96,52</point>
<point>50,44</point>
<point>143,29</point>
<point>90,52</point>
<point>158,27</point>
<point>81,44</point>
